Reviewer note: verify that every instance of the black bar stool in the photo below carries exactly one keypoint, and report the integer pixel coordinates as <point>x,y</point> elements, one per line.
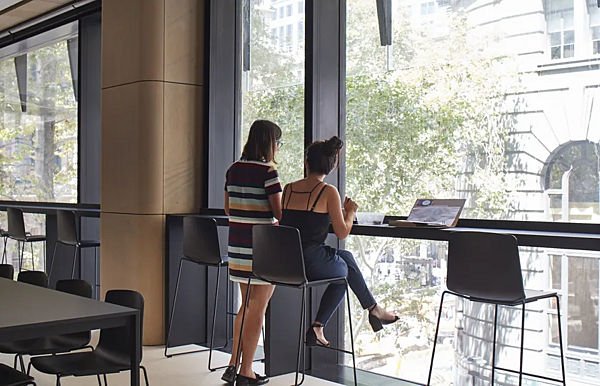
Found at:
<point>4,235</point>
<point>16,231</point>
<point>485,267</point>
<point>201,246</point>
<point>67,235</point>
<point>277,258</point>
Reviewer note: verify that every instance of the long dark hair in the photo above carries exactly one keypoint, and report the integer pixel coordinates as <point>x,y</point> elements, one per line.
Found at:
<point>261,141</point>
<point>323,156</point>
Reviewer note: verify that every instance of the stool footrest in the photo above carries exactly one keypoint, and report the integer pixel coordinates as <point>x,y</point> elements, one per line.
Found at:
<point>529,374</point>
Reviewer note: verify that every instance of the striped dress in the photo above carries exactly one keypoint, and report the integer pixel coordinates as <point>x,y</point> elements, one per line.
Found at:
<point>249,185</point>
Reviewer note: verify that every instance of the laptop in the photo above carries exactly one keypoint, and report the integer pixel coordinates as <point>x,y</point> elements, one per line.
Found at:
<point>437,213</point>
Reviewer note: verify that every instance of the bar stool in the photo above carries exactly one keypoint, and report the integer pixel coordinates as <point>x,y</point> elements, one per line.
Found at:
<point>4,235</point>
<point>201,247</point>
<point>67,235</point>
<point>485,268</point>
<point>277,258</point>
<point>16,231</point>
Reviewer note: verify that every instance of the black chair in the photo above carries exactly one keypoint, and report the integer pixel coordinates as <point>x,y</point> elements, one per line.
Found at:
<point>67,235</point>
<point>7,271</point>
<point>37,278</point>
<point>112,354</point>
<point>277,258</point>
<point>54,344</point>
<point>16,231</point>
<point>201,246</point>
<point>485,268</point>
<point>4,235</point>
<point>12,377</point>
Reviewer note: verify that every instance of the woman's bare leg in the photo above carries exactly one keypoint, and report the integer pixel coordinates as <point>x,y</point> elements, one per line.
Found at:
<point>237,325</point>
<point>256,308</point>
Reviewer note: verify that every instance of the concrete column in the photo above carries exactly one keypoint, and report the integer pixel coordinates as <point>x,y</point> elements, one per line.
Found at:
<point>152,134</point>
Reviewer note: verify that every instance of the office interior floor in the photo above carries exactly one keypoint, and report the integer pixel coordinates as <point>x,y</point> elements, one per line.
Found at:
<point>182,370</point>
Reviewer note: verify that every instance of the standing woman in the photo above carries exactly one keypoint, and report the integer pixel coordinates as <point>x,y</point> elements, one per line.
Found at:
<point>252,197</point>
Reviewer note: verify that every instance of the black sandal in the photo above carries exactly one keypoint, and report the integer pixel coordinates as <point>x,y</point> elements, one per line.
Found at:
<point>376,323</point>
<point>311,337</point>
<point>258,380</point>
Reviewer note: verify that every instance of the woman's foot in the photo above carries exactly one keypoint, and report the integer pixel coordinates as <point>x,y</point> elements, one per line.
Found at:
<point>378,317</point>
<point>315,336</point>
<point>255,379</point>
<point>229,374</point>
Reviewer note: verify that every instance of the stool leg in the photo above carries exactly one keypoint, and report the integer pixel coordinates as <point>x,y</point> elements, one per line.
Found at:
<point>19,255</point>
<point>4,252</point>
<point>214,321</point>
<point>239,352</point>
<point>32,257</point>
<point>437,328</point>
<point>74,262</point>
<point>562,355</point>
<point>52,262</point>
<point>494,345</point>
<point>351,333</point>
<point>300,340</point>
<point>173,310</point>
<point>522,345</point>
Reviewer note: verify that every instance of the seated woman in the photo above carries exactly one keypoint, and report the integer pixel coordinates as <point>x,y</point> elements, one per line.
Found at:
<point>311,205</point>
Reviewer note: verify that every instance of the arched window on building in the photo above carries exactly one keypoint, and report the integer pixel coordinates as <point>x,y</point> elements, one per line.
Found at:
<point>571,176</point>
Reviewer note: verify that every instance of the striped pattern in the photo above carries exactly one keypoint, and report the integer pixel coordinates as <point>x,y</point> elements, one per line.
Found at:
<point>249,185</point>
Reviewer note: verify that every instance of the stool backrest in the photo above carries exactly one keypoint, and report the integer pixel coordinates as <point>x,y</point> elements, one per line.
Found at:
<point>7,271</point>
<point>201,240</point>
<point>114,342</point>
<point>277,254</point>
<point>37,278</point>
<point>66,227</point>
<point>485,266</point>
<point>16,224</point>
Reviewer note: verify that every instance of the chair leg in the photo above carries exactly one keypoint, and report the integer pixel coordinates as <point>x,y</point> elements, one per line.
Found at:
<point>74,262</point>
<point>99,380</point>
<point>494,345</point>
<point>214,321</point>
<point>437,328</point>
<point>560,338</point>
<point>105,380</point>
<point>239,353</point>
<point>145,375</point>
<point>20,254</point>
<point>15,362</point>
<point>52,262</point>
<point>300,340</point>
<point>32,257</point>
<point>22,362</point>
<point>522,346</point>
<point>173,310</point>
<point>58,380</point>
<point>29,369</point>
<point>351,333</point>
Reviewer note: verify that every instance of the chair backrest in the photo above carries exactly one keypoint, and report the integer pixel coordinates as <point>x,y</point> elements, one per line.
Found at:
<point>115,341</point>
<point>201,240</point>
<point>7,271</point>
<point>80,288</point>
<point>66,227</point>
<point>37,278</point>
<point>486,266</point>
<point>16,224</point>
<point>277,254</point>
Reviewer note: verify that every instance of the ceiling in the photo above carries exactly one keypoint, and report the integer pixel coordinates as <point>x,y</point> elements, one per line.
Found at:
<point>13,12</point>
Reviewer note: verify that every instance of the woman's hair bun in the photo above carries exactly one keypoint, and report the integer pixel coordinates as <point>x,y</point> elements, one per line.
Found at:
<point>332,146</point>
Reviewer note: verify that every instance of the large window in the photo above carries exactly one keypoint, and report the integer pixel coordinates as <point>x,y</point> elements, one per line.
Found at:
<point>38,121</point>
<point>273,84</point>
<point>452,109</point>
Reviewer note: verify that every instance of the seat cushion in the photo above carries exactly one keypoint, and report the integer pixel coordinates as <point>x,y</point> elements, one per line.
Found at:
<point>44,346</point>
<point>89,243</point>
<point>12,377</point>
<point>79,364</point>
<point>36,238</point>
